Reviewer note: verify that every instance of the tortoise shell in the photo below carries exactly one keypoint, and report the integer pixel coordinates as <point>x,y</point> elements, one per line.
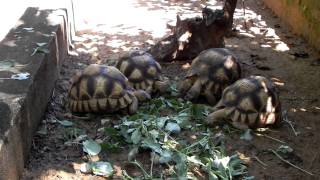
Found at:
<point>252,101</point>
<point>210,73</point>
<point>218,65</point>
<point>141,69</point>
<point>99,88</point>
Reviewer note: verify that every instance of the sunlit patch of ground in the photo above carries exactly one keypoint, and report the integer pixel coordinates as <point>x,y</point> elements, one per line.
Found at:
<point>265,46</point>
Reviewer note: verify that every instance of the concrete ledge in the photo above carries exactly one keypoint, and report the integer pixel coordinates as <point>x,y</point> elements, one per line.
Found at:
<point>23,102</point>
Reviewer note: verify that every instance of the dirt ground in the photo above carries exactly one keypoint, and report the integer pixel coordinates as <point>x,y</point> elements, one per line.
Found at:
<point>267,48</point>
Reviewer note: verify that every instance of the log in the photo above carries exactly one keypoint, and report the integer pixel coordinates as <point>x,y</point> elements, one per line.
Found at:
<point>192,35</point>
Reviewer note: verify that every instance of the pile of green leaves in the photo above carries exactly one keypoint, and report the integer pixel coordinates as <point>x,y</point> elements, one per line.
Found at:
<point>148,130</point>
<point>161,126</point>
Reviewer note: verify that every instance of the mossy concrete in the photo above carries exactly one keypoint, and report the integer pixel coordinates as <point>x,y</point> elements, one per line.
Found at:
<point>23,102</point>
<point>302,15</point>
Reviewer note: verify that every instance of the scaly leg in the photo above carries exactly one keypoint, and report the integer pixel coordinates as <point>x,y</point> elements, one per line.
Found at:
<point>194,91</point>
<point>216,117</point>
<point>141,95</point>
<point>211,99</point>
<point>133,107</point>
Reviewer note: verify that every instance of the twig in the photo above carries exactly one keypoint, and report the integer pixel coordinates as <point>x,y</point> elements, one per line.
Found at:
<point>313,159</point>
<point>307,172</point>
<point>285,119</point>
<point>244,14</point>
<point>151,166</point>
<point>145,174</point>
<point>259,161</point>
<point>269,137</point>
<point>71,116</point>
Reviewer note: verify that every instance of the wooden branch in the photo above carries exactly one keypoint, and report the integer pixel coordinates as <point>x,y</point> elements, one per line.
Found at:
<point>192,35</point>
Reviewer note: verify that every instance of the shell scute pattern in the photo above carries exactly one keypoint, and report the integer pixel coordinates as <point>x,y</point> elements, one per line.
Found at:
<point>142,70</point>
<point>252,102</point>
<point>216,64</point>
<point>99,88</point>
<point>215,69</point>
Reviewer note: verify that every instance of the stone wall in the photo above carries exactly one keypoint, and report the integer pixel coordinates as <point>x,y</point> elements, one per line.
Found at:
<point>302,15</point>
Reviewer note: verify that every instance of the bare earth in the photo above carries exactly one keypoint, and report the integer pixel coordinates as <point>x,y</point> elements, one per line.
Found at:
<point>267,48</point>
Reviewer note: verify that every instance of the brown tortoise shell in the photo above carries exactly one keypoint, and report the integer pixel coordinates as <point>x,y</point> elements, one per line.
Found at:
<point>141,69</point>
<point>217,68</point>
<point>253,101</point>
<point>99,88</point>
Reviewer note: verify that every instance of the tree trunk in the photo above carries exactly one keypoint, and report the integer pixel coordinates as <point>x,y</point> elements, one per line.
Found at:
<point>192,35</point>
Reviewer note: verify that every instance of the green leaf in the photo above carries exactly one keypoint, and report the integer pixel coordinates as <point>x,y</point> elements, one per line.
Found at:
<point>41,44</point>
<point>212,176</point>
<point>199,111</point>
<point>47,35</point>
<point>110,147</point>
<point>224,161</point>
<point>111,132</point>
<point>173,89</point>
<point>247,135</point>
<point>154,133</point>
<point>86,168</point>
<point>173,127</point>
<point>161,121</point>
<point>29,29</point>
<point>40,50</point>
<point>136,136</point>
<point>6,64</point>
<point>91,147</point>
<point>165,156</point>
<point>66,123</point>
<point>20,76</point>
<point>195,160</point>
<point>284,149</point>
<point>155,146</point>
<point>181,164</point>
<point>182,119</point>
<point>248,178</point>
<point>42,131</point>
<point>133,153</point>
<point>102,168</point>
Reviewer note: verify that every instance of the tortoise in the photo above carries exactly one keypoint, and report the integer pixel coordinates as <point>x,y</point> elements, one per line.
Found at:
<point>143,72</point>
<point>211,71</point>
<point>101,88</point>
<point>251,102</point>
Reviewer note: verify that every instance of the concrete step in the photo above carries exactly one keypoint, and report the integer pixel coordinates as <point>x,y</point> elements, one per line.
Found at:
<point>23,102</point>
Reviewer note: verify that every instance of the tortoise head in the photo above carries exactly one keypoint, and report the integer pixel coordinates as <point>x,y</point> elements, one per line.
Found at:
<point>141,95</point>
<point>162,85</point>
<point>187,83</point>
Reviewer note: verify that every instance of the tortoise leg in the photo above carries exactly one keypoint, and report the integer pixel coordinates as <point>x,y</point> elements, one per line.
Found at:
<point>162,86</point>
<point>216,117</point>
<point>194,91</point>
<point>141,95</point>
<point>149,90</point>
<point>211,99</point>
<point>133,107</point>
<point>184,86</point>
